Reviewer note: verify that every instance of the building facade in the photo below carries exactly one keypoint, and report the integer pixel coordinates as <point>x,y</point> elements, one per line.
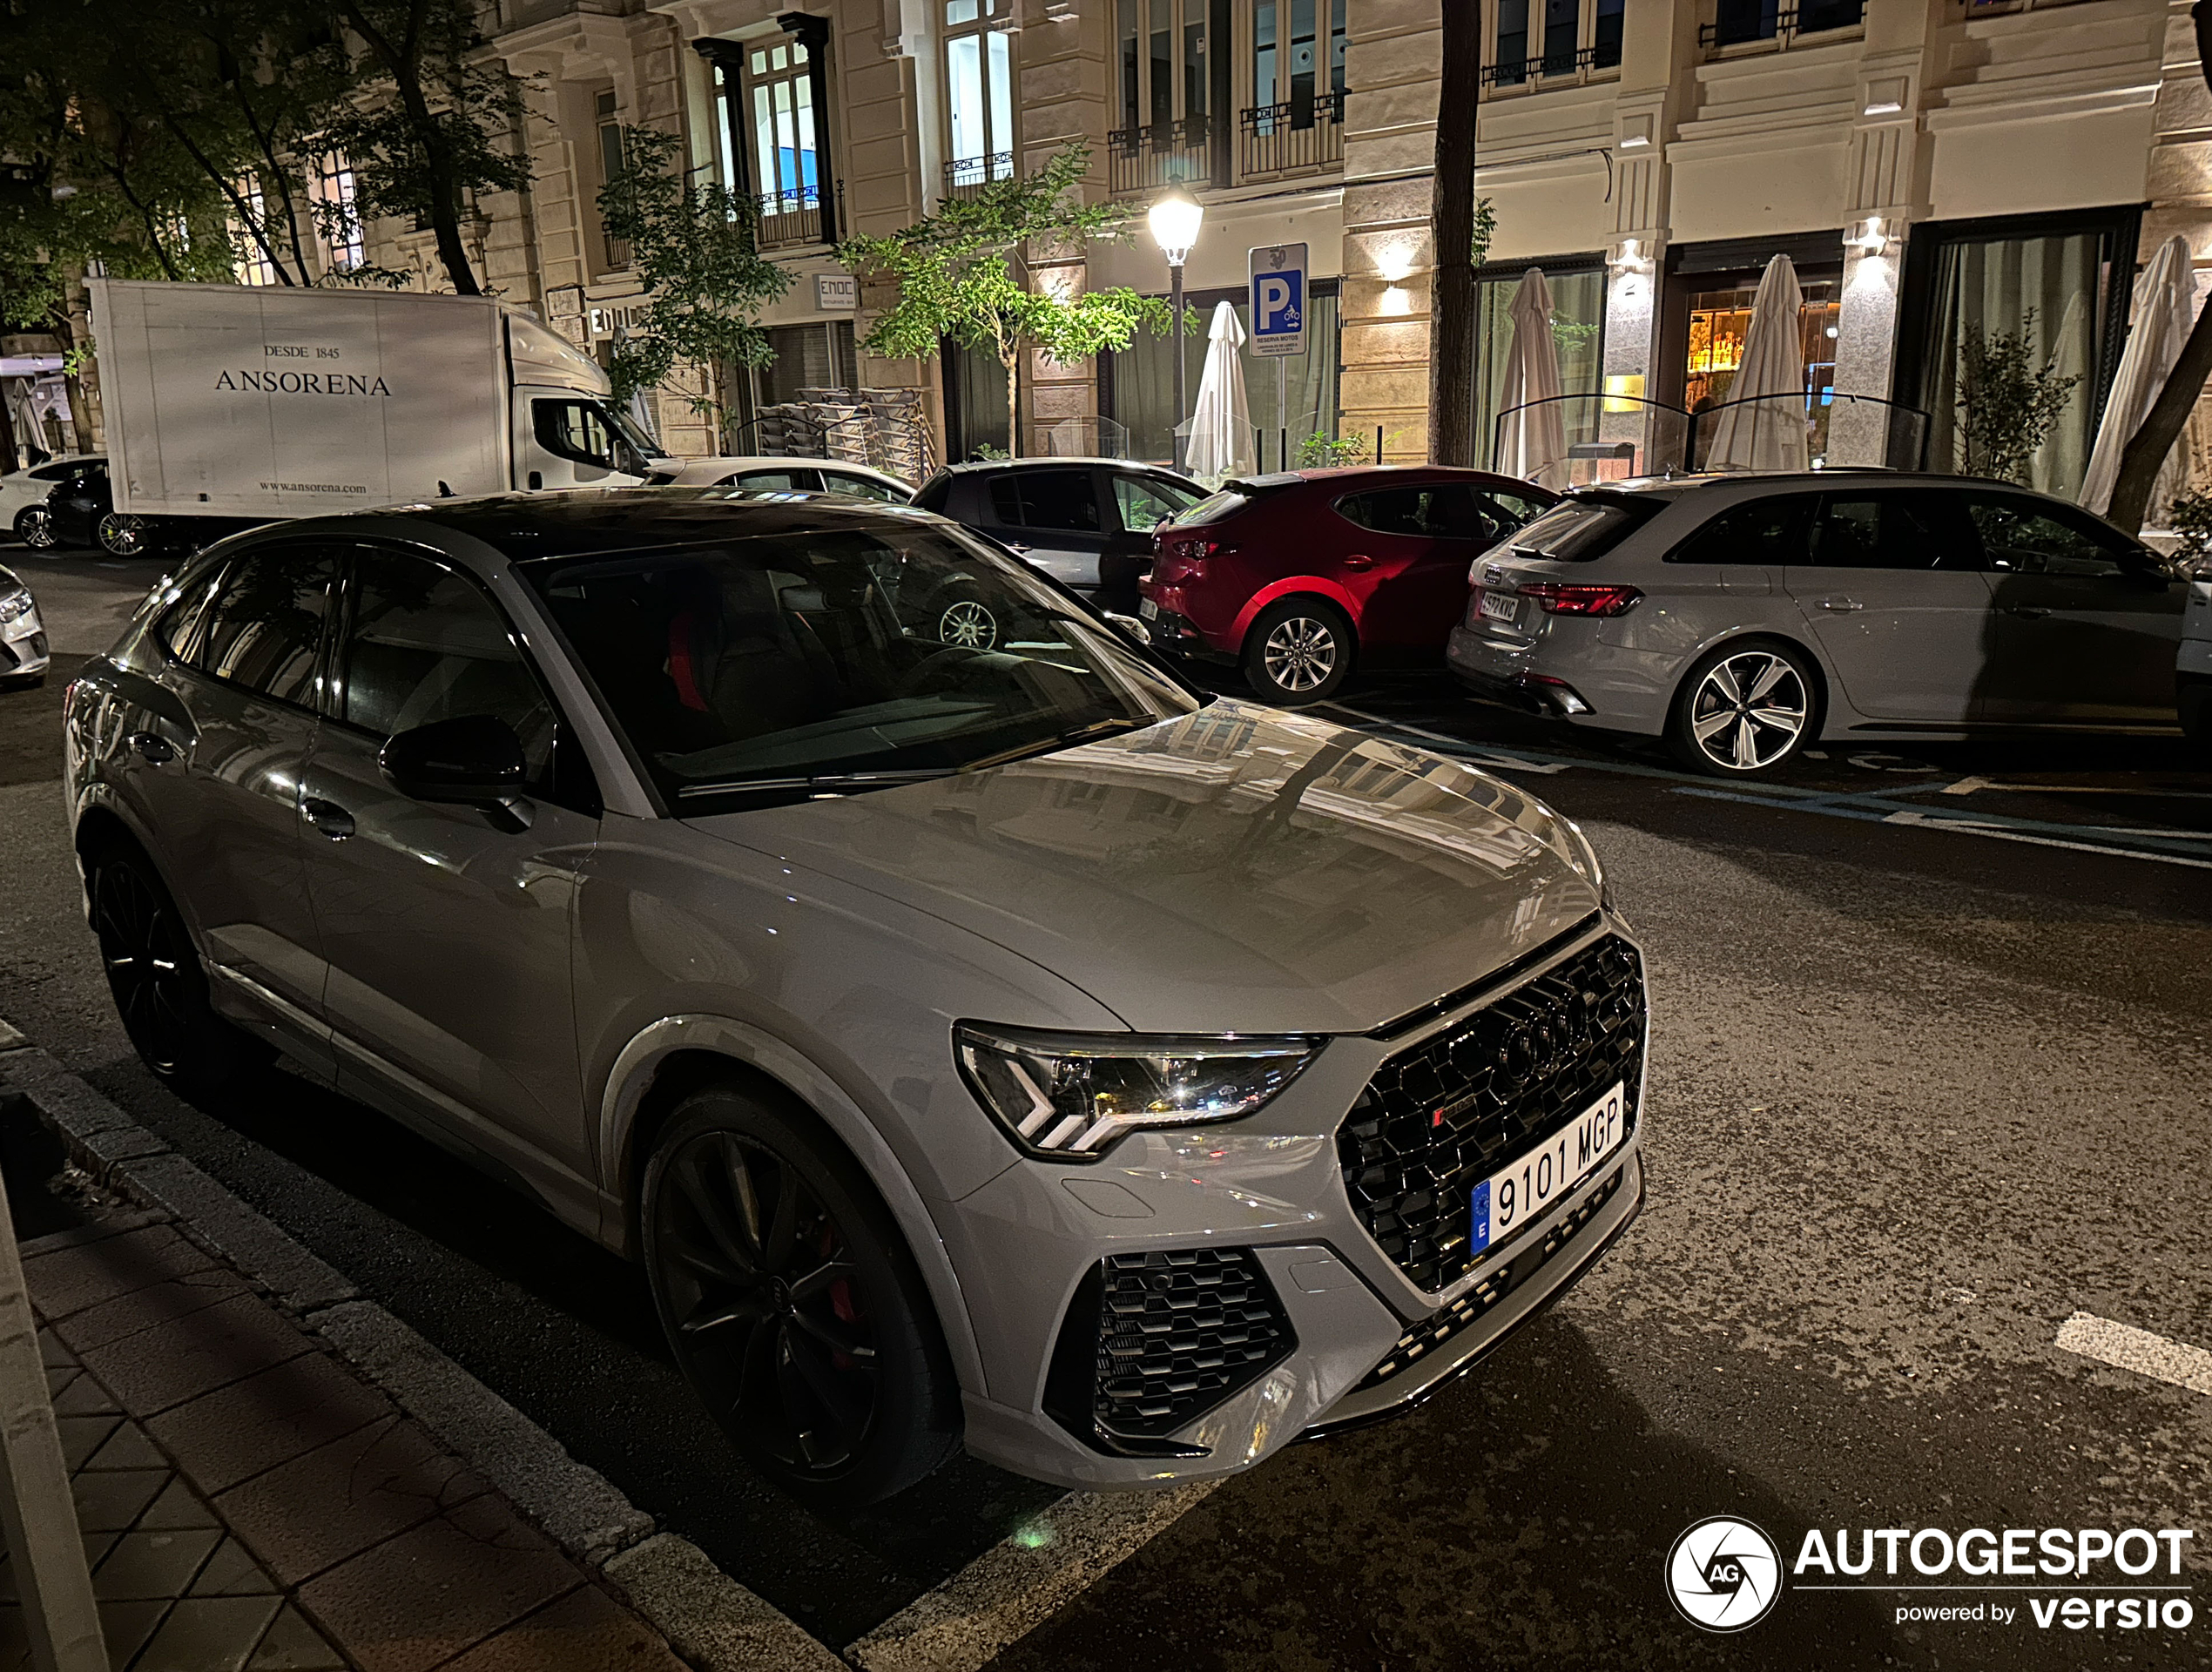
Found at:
<point>1934,168</point>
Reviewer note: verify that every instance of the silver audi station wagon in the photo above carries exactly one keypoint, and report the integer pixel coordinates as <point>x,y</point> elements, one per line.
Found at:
<point>1005,1045</point>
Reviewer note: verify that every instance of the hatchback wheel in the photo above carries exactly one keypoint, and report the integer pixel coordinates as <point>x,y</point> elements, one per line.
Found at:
<point>159,990</point>
<point>1299,651</point>
<point>792,1305</point>
<point>1745,709</point>
<point>34,528</point>
<point>123,534</point>
<point>965,621</point>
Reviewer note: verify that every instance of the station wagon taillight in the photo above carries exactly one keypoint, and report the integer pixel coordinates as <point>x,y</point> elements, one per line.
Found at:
<point>1581,598</point>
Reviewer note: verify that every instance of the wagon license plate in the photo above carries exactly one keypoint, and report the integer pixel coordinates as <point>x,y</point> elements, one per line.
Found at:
<point>1506,1201</point>
<point>1498,606</point>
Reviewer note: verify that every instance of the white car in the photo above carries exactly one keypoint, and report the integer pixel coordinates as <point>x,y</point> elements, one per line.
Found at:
<point>20,490</point>
<point>23,635</point>
<point>768,474</point>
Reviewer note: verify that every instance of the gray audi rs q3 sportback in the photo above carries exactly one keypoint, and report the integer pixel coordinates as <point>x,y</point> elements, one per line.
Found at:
<point>997,1043</point>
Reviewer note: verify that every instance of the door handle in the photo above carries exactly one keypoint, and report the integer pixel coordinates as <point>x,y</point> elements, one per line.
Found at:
<point>329,817</point>
<point>1841,606</point>
<point>156,749</point>
<point>2032,611</point>
<point>1358,561</point>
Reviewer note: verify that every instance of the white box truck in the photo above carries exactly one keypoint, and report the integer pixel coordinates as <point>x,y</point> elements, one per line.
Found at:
<point>237,404</point>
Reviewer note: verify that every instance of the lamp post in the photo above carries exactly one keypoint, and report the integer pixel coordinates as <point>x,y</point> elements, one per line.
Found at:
<point>1174,219</point>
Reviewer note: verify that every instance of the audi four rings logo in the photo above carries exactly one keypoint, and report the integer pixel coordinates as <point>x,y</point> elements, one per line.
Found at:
<point>1724,1573</point>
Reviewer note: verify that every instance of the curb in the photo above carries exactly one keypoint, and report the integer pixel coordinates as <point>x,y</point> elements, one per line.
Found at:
<point>708,1618</point>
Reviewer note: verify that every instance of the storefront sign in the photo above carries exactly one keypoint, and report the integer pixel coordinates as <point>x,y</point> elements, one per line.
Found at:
<point>1278,300</point>
<point>836,290</point>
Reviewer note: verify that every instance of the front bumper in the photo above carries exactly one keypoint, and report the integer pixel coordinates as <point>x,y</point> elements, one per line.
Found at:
<point>1359,1339</point>
<point>22,646</point>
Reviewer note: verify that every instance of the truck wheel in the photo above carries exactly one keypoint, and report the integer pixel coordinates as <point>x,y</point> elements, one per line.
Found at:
<point>34,528</point>
<point>121,534</point>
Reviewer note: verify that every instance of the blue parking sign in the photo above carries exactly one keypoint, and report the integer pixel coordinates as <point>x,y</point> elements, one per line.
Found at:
<point>1278,300</point>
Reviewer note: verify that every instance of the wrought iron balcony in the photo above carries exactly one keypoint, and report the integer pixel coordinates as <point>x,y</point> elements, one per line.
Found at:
<point>964,176</point>
<point>1178,153</point>
<point>790,217</point>
<point>1289,138</point>
<point>1740,22</point>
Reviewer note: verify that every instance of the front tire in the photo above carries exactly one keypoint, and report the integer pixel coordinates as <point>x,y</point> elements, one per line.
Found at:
<point>792,1303</point>
<point>1746,708</point>
<point>34,528</point>
<point>160,990</point>
<point>122,534</point>
<point>1299,651</point>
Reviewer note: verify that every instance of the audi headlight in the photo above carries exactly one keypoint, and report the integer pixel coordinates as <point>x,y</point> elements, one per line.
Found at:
<point>14,605</point>
<point>1069,1096</point>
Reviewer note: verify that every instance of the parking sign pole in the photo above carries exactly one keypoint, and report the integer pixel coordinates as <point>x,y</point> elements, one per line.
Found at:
<point>1277,302</point>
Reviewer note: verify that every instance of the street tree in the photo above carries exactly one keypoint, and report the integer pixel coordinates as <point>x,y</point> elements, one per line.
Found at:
<point>970,273</point>
<point>1456,226</point>
<point>696,249</point>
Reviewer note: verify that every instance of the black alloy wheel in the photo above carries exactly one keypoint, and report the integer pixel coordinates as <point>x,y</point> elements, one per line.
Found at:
<point>791,1304</point>
<point>154,973</point>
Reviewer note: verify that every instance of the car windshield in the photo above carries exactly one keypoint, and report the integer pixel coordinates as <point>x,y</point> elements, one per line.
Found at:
<point>840,660</point>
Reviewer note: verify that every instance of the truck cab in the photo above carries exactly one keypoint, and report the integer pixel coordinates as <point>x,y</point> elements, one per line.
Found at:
<point>568,430</point>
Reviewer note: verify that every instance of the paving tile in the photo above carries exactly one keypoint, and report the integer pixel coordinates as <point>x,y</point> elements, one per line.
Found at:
<point>583,1632</point>
<point>208,1634</point>
<point>225,1436</point>
<point>96,1546</point>
<point>153,1564</point>
<point>318,1509</point>
<point>292,1645</point>
<point>127,1448</point>
<point>59,1376</point>
<point>195,1354</point>
<point>51,1350</point>
<point>110,1501</point>
<point>414,1601</point>
<point>178,1509</point>
<point>232,1571</point>
<point>82,1398</point>
<point>127,1625</point>
<point>124,1315</point>
<point>82,1436</point>
<point>71,1279</point>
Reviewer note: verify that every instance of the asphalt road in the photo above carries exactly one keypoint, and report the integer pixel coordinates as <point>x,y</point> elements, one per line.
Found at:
<point>1929,1076</point>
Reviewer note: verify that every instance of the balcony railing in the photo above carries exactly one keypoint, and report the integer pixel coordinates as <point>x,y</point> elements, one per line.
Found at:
<point>1179,153</point>
<point>1305,133</point>
<point>1740,22</point>
<point>618,253</point>
<point>965,176</point>
<point>791,217</point>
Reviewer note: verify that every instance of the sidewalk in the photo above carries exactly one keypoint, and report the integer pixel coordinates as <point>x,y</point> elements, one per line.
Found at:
<point>248,1501</point>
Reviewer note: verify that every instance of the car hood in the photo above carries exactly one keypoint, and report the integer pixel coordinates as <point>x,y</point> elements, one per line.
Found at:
<point>1235,869</point>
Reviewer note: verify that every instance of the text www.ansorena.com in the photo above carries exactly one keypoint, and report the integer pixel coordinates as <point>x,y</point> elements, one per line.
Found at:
<point>312,488</point>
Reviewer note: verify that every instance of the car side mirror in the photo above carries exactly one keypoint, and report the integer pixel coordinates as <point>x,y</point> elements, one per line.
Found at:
<point>476,760</point>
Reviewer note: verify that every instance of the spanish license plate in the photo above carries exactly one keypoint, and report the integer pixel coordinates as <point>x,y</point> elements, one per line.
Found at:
<point>1148,610</point>
<point>1498,606</point>
<point>1506,1201</point>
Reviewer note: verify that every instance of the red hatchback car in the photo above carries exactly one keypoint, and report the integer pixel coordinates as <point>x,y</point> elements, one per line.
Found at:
<point>1298,576</point>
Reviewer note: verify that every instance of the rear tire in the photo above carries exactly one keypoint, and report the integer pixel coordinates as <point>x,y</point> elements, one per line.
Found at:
<point>123,534</point>
<point>1299,651</point>
<point>34,528</point>
<point>1746,708</point>
<point>792,1303</point>
<point>160,990</point>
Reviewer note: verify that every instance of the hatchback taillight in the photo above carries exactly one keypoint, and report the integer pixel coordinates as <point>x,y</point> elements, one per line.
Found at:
<point>1581,598</point>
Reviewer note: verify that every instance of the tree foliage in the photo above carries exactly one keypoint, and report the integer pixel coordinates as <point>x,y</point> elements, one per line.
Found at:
<point>2008,403</point>
<point>696,249</point>
<point>968,273</point>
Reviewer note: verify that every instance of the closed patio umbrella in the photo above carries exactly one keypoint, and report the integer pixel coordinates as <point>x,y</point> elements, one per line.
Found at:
<point>1533,444</point>
<point>2164,310</point>
<point>1762,425</point>
<point>1221,442</point>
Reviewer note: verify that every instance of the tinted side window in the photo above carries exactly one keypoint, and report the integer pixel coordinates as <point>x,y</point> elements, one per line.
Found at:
<point>775,481</point>
<point>181,626</point>
<point>2025,537</point>
<point>1894,530</point>
<point>575,429</point>
<point>1052,499</point>
<point>1457,512</point>
<point>1145,502</point>
<point>1388,510</point>
<point>263,626</point>
<point>862,488</point>
<point>1518,508</point>
<point>1773,530</point>
<point>423,644</point>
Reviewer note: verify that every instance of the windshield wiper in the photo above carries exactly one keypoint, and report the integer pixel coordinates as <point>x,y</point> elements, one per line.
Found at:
<point>1079,734</point>
<point>816,783</point>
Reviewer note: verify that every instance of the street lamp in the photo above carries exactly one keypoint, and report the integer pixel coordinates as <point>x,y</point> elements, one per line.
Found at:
<point>1174,219</point>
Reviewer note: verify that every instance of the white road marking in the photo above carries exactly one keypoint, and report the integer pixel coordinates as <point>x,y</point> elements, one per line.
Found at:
<point>1023,1580</point>
<point>1966,786</point>
<point>1972,828</point>
<point>1459,745</point>
<point>1969,786</point>
<point>2127,1348</point>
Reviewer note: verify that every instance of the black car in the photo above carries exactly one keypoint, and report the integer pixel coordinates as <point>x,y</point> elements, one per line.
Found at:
<point>72,514</point>
<point>1087,522</point>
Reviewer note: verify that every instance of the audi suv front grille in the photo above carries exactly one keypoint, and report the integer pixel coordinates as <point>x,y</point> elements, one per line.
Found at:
<point>1443,1115</point>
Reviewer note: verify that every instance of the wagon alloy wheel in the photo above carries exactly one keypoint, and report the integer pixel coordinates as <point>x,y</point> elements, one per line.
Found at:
<point>969,625</point>
<point>1301,653</point>
<point>122,535</point>
<point>148,961</point>
<point>1749,711</point>
<point>768,1302</point>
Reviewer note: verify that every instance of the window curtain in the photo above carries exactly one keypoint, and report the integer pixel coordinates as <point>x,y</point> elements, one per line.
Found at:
<point>979,402</point>
<point>1143,383</point>
<point>1985,286</point>
<point>1578,320</point>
